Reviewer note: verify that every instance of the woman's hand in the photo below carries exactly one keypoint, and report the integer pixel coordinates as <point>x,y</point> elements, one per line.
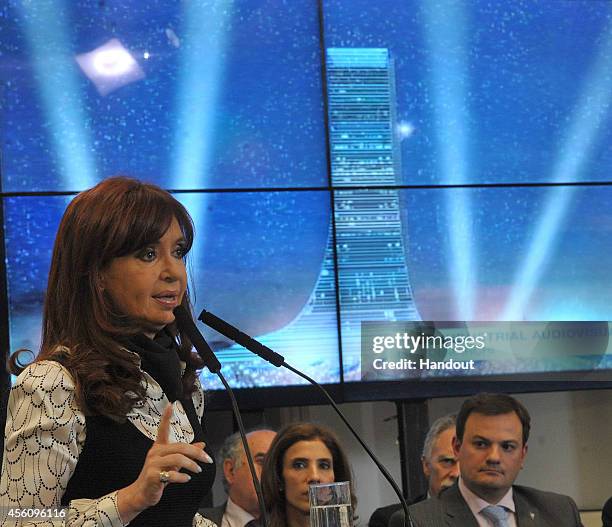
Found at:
<point>166,457</point>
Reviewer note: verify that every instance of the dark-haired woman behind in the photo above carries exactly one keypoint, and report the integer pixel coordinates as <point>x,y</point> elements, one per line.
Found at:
<point>107,422</point>
<point>301,454</point>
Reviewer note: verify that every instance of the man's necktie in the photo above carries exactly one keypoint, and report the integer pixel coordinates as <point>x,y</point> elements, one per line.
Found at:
<point>497,514</point>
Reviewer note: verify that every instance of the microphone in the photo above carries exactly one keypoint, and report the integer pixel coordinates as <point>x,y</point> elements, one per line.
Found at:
<point>277,360</point>
<point>186,324</point>
<point>231,332</point>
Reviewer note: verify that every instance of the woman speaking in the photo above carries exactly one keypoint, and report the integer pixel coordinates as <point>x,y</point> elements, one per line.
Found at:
<point>105,427</point>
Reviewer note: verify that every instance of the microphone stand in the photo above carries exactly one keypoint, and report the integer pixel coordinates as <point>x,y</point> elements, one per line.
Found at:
<point>278,360</point>
<point>186,324</point>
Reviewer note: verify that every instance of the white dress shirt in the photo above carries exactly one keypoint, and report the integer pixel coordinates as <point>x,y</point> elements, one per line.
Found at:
<point>476,504</point>
<point>235,516</point>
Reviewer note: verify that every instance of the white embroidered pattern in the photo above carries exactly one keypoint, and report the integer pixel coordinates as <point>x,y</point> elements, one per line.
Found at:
<point>45,433</point>
<point>200,521</point>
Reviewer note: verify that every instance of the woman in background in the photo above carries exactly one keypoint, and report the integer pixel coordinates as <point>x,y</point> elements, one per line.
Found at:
<point>108,419</point>
<point>301,454</point>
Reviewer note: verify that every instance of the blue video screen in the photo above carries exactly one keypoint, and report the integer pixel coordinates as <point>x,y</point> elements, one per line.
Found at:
<point>491,92</point>
<point>536,254</point>
<point>188,95</point>
<point>366,162</point>
<point>264,285</point>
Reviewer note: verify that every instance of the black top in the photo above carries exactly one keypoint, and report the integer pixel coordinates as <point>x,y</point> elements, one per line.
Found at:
<point>382,516</point>
<point>115,453</point>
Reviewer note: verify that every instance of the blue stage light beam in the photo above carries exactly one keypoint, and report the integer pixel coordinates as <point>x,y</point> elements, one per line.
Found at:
<point>590,114</point>
<point>45,26</point>
<point>445,34</point>
<point>566,309</point>
<point>203,45</point>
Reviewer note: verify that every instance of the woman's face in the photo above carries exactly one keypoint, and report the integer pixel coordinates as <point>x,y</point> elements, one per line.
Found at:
<point>147,285</point>
<point>304,463</point>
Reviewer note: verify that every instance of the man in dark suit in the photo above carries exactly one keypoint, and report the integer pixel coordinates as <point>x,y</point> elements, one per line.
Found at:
<point>491,446</point>
<point>606,514</point>
<point>439,466</point>
<point>241,508</point>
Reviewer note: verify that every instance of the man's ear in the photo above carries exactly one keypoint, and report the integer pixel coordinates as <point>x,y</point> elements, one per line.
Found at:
<point>426,469</point>
<point>456,446</point>
<point>524,455</point>
<point>228,470</point>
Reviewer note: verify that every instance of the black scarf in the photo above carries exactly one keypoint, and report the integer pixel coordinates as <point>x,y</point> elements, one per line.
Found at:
<point>159,358</point>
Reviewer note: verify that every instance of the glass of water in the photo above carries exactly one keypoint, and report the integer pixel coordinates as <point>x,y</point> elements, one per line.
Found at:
<point>330,505</point>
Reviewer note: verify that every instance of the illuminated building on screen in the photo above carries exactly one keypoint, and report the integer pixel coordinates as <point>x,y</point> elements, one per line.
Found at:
<point>370,244</point>
<point>373,274</point>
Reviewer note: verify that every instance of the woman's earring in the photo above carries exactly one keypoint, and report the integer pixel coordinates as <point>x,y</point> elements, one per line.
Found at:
<point>100,283</point>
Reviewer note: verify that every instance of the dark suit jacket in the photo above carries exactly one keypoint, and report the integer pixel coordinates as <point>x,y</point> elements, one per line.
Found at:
<point>534,508</point>
<point>214,514</point>
<point>381,516</point>
<point>606,514</point>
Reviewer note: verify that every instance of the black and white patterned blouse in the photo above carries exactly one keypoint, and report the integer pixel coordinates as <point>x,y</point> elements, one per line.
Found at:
<point>45,433</point>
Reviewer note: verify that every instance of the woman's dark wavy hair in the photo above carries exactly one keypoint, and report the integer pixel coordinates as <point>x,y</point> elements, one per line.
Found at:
<point>81,328</point>
<point>272,481</point>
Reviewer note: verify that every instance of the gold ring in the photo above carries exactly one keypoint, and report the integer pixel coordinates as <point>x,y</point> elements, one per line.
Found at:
<point>164,477</point>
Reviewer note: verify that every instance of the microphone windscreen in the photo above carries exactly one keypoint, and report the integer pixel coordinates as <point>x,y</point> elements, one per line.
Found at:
<point>186,324</point>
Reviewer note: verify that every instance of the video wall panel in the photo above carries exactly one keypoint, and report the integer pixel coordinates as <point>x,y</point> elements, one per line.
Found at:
<point>257,261</point>
<point>491,92</point>
<point>188,95</point>
<point>530,254</point>
<point>390,160</point>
